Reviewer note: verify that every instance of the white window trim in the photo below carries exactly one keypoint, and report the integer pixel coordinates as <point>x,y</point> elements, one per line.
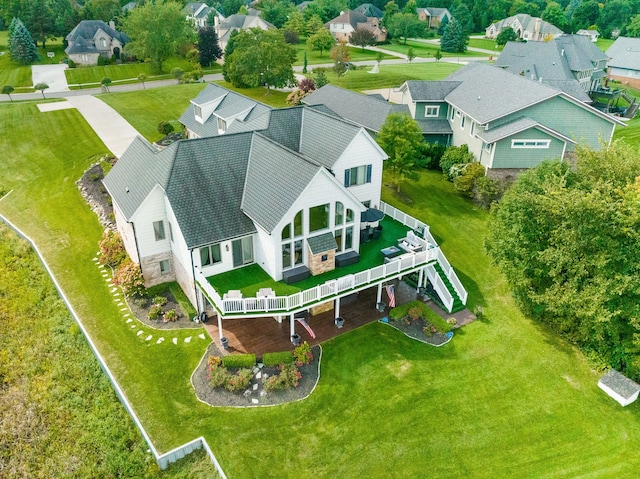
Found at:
<point>530,143</point>
<point>462,121</point>
<point>436,108</point>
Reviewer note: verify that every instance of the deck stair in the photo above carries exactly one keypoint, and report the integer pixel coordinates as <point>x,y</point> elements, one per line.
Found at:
<point>457,302</point>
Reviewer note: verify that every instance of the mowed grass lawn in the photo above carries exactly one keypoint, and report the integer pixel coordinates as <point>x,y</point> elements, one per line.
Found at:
<point>505,398</point>
<point>19,76</point>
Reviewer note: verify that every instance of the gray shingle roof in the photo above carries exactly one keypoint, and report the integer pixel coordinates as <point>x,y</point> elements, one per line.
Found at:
<point>364,110</point>
<point>275,178</point>
<point>205,188</point>
<point>231,104</point>
<point>351,17</point>
<point>516,126</point>
<point>322,243</point>
<point>369,10</point>
<point>528,23</point>
<point>489,92</point>
<point>434,127</point>
<point>88,28</point>
<point>138,171</point>
<point>430,90</point>
<point>80,45</point>
<point>625,53</point>
<point>619,383</point>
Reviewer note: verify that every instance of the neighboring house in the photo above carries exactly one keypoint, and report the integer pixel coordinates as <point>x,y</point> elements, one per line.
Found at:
<point>433,16</point>
<point>213,111</point>
<point>369,10</point>
<point>592,34</point>
<point>239,22</point>
<point>508,122</point>
<point>197,13</point>
<point>129,6</point>
<point>624,63</point>
<point>286,195</point>
<point>91,39</point>
<point>347,22</point>
<point>570,63</point>
<point>526,27</point>
<point>363,110</point>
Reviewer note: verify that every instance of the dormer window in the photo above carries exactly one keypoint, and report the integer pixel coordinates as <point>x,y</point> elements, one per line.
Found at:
<point>198,112</point>
<point>222,125</point>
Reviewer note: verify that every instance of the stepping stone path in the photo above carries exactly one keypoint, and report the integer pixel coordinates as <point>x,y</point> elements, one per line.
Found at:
<point>187,340</point>
<point>175,340</point>
<point>149,338</point>
<point>139,333</point>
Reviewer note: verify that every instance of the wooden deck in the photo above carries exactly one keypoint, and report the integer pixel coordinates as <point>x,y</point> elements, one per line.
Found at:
<point>261,335</point>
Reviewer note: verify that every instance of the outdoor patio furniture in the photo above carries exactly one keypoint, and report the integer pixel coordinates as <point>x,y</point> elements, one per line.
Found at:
<point>410,243</point>
<point>233,294</point>
<point>377,233</point>
<point>266,293</point>
<point>345,259</point>
<point>391,252</point>
<point>296,274</point>
<point>365,235</point>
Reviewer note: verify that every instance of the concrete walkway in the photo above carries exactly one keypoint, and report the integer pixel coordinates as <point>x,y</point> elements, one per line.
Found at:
<point>114,131</point>
<point>52,75</point>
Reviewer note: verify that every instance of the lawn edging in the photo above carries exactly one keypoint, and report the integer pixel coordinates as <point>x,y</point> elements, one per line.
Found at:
<point>163,460</point>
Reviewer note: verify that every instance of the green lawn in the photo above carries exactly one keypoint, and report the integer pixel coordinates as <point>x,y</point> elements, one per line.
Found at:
<point>604,43</point>
<point>19,76</point>
<point>485,44</point>
<point>506,398</point>
<point>314,57</point>
<point>629,133</point>
<point>425,50</point>
<point>144,109</point>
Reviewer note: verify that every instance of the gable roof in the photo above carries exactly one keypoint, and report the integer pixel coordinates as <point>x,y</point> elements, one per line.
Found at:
<point>516,126</point>
<point>420,90</point>
<point>625,53</point>
<point>528,23</point>
<point>351,17</point>
<point>242,22</point>
<point>478,96</point>
<point>230,104</point>
<point>364,110</point>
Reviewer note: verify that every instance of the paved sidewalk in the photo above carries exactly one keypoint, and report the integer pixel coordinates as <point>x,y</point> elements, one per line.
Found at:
<point>114,131</point>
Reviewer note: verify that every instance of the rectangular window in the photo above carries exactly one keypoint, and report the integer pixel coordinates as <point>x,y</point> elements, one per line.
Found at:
<point>286,255</point>
<point>198,111</point>
<point>431,111</point>
<point>222,125</point>
<point>210,255</point>
<point>451,113</point>
<point>472,128</point>
<point>165,266</point>
<point>358,175</point>
<point>338,236</point>
<point>348,240</point>
<point>530,143</point>
<point>170,232</point>
<point>318,218</point>
<point>464,117</point>
<point>486,146</point>
<point>158,230</point>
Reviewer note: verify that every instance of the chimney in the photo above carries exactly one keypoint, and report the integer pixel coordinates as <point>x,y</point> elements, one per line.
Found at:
<point>562,52</point>
<point>112,24</point>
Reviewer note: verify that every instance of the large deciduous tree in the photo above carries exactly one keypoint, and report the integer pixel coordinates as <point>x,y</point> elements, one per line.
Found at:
<point>260,57</point>
<point>321,41</point>
<point>508,34</point>
<point>156,30</point>
<point>208,46</point>
<point>405,25</point>
<point>362,37</point>
<point>454,39</point>
<point>401,138</point>
<point>554,14</point>
<point>568,241</point>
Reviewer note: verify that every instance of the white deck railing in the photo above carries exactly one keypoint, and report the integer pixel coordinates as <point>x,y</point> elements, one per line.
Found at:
<point>452,277</point>
<point>333,288</point>
<point>440,287</point>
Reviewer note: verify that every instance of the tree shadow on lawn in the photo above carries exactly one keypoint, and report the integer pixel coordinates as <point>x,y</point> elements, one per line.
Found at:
<point>475,298</point>
<point>552,338</point>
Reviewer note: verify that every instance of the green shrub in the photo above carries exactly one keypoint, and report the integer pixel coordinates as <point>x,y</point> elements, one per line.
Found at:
<point>154,312</point>
<point>71,63</point>
<point>465,182</point>
<point>302,354</point>
<point>140,301</point>
<point>486,191</point>
<point>160,300</point>
<point>240,380</point>
<point>402,310</point>
<point>455,155</point>
<point>289,377</point>
<point>239,361</point>
<point>101,61</point>
<point>273,359</point>
<point>171,315</point>
<point>164,128</point>
<point>95,177</point>
<point>218,374</point>
<point>129,277</point>
<point>112,252</point>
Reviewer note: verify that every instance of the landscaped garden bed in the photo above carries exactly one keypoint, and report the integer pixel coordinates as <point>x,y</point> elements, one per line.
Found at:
<point>239,381</point>
<point>418,321</point>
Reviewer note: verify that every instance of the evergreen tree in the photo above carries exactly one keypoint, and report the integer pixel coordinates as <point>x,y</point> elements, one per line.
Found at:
<point>21,46</point>
<point>443,25</point>
<point>208,46</point>
<point>454,39</point>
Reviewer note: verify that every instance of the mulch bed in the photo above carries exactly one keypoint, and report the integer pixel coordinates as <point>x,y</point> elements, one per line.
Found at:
<point>415,328</point>
<point>223,397</point>
<point>141,313</point>
<point>95,194</point>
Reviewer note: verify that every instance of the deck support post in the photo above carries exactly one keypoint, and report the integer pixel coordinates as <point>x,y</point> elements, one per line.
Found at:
<point>279,318</point>
<point>220,326</point>
<point>379,295</point>
<point>420,277</point>
<point>337,308</point>
<point>293,324</point>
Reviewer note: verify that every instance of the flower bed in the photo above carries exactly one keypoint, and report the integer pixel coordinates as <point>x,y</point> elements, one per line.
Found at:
<point>417,321</point>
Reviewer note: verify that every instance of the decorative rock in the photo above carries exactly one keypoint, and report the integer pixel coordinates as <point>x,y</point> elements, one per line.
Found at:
<point>201,336</point>
<point>133,325</point>
<point>263,393</point>
<point>187,340</point>
<point>255,401</point>
<point>255,370</point>
<point>260,365</point>
<point>129,320</point>
<point>102,266</point>
<point>120,303</point>
<point>148,338</point>
<point>114,289</point>
<point>264,377</point>
<point>95,260</point>
<point>175,340</point>
<point>126,315</point>
<point>258,375</point>
<point>247,393</point>
<point>124,309</point>
<point>139,333</point>
<point>159,340</point>
<point>255,387</point>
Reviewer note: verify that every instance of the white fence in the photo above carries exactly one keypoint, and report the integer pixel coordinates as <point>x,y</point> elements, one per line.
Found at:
<point>452,277</point>
<point>440,288</point>
<point>335,287</point>
<point>163,460</point>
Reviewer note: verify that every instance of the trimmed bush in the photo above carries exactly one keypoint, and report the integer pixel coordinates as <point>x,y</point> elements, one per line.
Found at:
<point>302,354</point>
<point>289,377</point>
<point>112,251</point>
<point>402,310</point>
<point>465,182</point>
<point>160,300</point>
<point>171,315</point>
<point>164,128</point>
<point>240,380</point>
<point>154,311</point>
<point>454,155</point>
<point>239,361</point>
<point>129,277</point>
<point>218,375</point>
<point>273,359</point>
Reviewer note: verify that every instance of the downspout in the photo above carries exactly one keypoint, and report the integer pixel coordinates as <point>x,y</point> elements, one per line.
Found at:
<point>135,238</point>
<point>195,288</point>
